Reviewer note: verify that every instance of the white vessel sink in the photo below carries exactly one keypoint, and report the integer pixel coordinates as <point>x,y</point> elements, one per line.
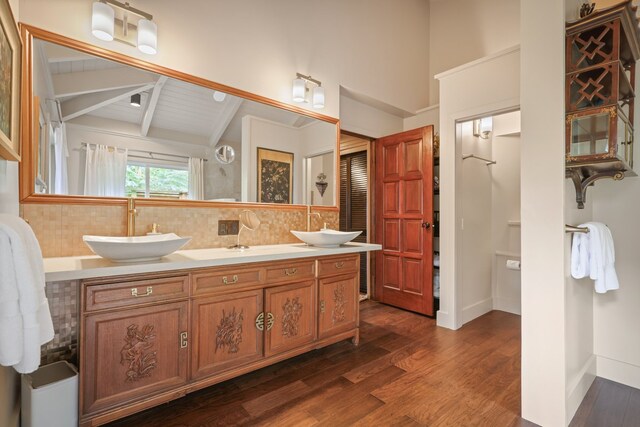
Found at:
<point>137,248</point>
<point>326,238</point>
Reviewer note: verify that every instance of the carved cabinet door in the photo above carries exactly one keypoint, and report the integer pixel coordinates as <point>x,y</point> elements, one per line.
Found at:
<point>290,316</point>
<point>338,304</point>
<point>227,332</point>
<point>132,354</point>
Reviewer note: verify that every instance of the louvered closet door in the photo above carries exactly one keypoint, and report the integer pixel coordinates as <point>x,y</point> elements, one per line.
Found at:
<point>353,202</point>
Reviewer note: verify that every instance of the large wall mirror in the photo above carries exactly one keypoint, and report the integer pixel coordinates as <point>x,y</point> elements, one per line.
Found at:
<point>104,125</point>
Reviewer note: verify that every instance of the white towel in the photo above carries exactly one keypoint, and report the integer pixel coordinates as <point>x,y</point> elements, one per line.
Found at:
<point>25,319</point>
<point>593,255</point>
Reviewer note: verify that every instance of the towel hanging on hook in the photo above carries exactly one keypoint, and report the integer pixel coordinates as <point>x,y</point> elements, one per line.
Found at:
<point>473,156</point>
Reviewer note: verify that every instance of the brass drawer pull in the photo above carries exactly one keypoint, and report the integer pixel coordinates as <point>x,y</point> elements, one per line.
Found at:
<point>339,265</point>
<point>260,322</point>
<point>270,319</point>
<point>233,280</point>
<point>134,292</point>
<point>183,340</point>
<point>290,271</point>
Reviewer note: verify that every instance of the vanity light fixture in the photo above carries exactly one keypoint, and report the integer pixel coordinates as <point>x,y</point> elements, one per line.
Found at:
<point>106,26</point>
<point>300,89</point>
<point>483,127</point>
<point>136,99</point>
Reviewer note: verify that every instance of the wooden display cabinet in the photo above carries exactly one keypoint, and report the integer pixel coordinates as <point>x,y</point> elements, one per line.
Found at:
<point>601,54</point>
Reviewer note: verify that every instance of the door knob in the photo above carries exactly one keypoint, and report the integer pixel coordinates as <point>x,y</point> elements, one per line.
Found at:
<point>426,225</point>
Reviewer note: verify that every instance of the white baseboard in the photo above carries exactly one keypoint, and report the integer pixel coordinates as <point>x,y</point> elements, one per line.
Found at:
<point>620,372</point>
<point>445,320</point>
<point>476,310</point>
<point>508,305</point>
<point>577,387</point>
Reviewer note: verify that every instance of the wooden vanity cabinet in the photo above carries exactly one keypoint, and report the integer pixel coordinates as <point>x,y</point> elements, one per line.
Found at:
<point>224,332</point>
<point>152,338</point>
<point>133,345</point>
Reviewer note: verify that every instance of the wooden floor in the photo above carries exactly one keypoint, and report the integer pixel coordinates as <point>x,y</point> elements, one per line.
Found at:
<point>608,404</point>
<point>405,372</point>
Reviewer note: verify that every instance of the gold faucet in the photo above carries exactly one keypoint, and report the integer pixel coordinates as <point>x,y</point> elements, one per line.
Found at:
<point>309,215</point>
<point>131,216</point>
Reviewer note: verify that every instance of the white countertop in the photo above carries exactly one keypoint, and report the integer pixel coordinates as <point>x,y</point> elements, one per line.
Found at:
<point>85,267</point>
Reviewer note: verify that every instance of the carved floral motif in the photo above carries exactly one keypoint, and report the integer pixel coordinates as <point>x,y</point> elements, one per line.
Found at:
<point>291,318</point>
<point>229,333</point>
<point>135,355</point>
<point>339,304</point>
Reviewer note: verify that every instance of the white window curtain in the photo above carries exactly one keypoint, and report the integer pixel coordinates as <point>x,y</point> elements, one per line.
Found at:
<point>105,171</point>
<point>196,178</point>
<point>61,154</point>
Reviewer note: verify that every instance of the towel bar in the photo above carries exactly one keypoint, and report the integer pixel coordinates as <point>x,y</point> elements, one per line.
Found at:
<point>573,229</point>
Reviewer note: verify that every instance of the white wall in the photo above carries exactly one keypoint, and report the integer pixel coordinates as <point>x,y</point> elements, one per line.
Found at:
<point>259,46</point>
<point>318,137</point>
<point>9,380</point>
<point>485,86</point>
<point>424,117</point>
<point>366,120</point>
<point>616,314</point>
<point>543,187</point>
<point>461,31</point>
<point>505,202</point>
<point>474,197</point>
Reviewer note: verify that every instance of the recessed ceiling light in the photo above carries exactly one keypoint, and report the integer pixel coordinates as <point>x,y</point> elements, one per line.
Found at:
<point>219,96</point>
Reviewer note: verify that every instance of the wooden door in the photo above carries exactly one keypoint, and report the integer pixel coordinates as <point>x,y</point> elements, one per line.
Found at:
<point>403,218</point>
<point>132,354</point>
<point>225,332</point>
<point>338,304</point>
<point>290,316</point>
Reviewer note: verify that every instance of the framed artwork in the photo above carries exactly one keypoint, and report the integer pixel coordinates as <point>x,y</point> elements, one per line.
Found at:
<point>275,176</point>
<point>10,69</point>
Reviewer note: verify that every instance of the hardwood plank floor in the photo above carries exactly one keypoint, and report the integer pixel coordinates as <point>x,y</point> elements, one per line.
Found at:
<point>405,372</point>
<point>610,404</point>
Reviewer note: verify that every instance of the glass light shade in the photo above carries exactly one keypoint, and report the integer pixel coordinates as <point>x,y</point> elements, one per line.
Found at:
<point>102,21</point>
<point>147,37</point>
<point>318,97</point>
<point>486,125</point>
<point>219,96</point>
<point>299,89</point>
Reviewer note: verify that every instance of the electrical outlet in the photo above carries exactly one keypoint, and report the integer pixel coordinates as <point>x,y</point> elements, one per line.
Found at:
<point>228,227</point>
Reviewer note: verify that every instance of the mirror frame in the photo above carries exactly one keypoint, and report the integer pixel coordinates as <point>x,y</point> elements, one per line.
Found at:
<point>28,132</point>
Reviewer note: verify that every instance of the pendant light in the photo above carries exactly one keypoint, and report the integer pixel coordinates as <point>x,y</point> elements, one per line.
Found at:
<point>136,100</point>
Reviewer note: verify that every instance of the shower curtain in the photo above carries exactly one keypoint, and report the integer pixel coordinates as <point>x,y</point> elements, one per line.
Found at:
<point>196,178</point>
<point>60,153</point>
<point>105,171</point>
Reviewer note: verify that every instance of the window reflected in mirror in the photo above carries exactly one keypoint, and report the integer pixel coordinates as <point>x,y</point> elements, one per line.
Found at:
<point>109,129</point>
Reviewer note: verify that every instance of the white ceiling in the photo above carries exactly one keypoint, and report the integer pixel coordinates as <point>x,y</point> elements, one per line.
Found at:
<point>182,111</point>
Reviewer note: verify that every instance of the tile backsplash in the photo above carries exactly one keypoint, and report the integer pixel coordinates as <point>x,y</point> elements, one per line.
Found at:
<point>59,228</point>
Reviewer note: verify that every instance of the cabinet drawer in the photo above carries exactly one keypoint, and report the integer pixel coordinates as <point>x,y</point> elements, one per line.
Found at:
<point>122,294</point>
<point>291,271</point>
<point>223,279</point>
<point>338,265</point>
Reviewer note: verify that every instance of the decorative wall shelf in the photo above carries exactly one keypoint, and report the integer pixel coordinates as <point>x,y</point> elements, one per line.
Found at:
<point>602,50</point>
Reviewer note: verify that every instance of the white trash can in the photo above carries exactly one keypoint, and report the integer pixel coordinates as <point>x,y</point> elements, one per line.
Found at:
<point>50,396</point>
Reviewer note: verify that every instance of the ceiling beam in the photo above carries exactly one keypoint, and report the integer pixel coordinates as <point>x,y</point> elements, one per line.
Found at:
<point>151,105</point>
<point>56,53</point>
<point>85,104</point>
<point>81,83</point>
<point>229,110</point>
